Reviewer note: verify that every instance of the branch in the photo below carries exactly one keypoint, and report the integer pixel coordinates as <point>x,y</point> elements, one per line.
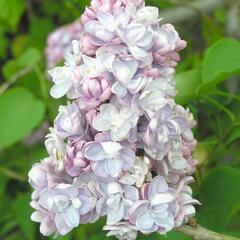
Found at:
<point>11,174</point>
<point>14,78</point>
<point>190,10</point>
<point>199,233</point>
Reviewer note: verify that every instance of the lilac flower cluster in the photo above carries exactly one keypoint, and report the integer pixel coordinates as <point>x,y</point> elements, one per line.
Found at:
<point>122,147</point>
<point>59,42</point>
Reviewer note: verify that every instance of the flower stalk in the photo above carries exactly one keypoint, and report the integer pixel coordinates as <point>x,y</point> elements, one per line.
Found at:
<point>200,233</point>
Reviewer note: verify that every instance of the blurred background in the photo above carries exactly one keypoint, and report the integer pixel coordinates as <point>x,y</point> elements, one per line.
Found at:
<point>208,82</point>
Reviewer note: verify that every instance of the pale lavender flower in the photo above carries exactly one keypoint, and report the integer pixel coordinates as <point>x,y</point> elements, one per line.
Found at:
<point>139,173</point>
<point>125,71</point>
<point>119,120</point>
<point>167,44</point>
<point>59,42</point>
<point>122,231</point>
<point>88,44</point>
<point>109,158</point>
<point>102,5</point>
<point>157,210</point>
<point>106,6</point>
<point>75,161</point>
<point>98,188</point>
<point>95,66</point>
<point>68,77</point>
<point>154,96</point>
<point>68,204</point>
<point>147,15</point>
<point>45,218</point>
<point>119,199</point>
<point>188,147</point>
<point>139,40</point>
<point>47,175</point>
<point>55,145</point>
<point>94,91</point>
<point>163,128</point>
<point>104,29</point>
<point>185,201</point>
<point>70,122</point>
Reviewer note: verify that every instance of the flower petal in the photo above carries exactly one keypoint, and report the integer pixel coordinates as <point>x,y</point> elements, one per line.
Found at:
<point>115,215</point>
<point>94,151</point>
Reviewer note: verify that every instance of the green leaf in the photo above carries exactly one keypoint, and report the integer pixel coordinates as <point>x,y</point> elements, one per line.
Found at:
<point>20,112</point>
<point>66,237</point>
<point>39,30</point>
<point>211,32</point>
<point>23,212</point>
<point>234,234</point>
<point>3,183</point>
<point>19,44</point>
<point>8,226</point>
<point>173,235</point>
<point>220,198</point>
<point>187,84</point>
<point>102,236</point>
<point>4,43</point>
<point>10,68</point>
<point>221,61</point>
<point>11,11</point>
<point>29,57</point>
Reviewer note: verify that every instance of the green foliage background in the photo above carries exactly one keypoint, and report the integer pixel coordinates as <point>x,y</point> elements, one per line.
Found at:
<point>208,83</point>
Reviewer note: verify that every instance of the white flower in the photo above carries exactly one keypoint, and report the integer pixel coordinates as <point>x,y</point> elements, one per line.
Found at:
<point>175,156</point>
<point>139,39</point>
<point>66,77</point>
<point>55,146</point>
<point>147,15</point>
<point>70,122</point>
<point>105,28</point>
<point>156,95</point>
<point>125,71</point>
<point>120,199</point>
<point>119,120</point>
<point>157,209</point>
<point>122,231</point>
<point>93,67</point>
<point>67,203</point>
<point>109,158</point>
<point>138,173</point>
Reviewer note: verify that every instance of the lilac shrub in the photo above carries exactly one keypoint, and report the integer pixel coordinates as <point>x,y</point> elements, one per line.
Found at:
<point>121,147</point>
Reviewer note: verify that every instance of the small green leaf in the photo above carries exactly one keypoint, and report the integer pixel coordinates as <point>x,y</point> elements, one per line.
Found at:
<point>11,11</point>
<point>23,212</point>
<point>220,197</point>
<point>221,61</point>
<point>20,112</point>
<point>187,84</point>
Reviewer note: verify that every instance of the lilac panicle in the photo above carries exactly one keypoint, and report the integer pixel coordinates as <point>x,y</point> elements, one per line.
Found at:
<point>121,147</point>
